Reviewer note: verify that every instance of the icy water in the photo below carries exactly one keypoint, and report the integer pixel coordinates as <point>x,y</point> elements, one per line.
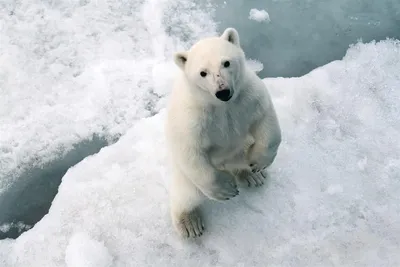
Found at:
<point>302,35</point>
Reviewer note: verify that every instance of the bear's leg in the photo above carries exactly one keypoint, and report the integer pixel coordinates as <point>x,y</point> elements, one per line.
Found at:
<point>185,201</point>
<point>267,136</point>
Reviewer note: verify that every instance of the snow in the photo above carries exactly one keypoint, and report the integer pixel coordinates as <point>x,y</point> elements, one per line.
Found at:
<point>83,251</point>
<point>259,15</point>
<point>63,82</point>
<point>20,226</point>
<point>255,65</point>
<point>319,207</point>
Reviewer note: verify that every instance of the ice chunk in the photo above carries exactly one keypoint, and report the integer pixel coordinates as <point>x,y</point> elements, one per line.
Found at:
<point>317,209</point>
<point>83,251</point>
<point>19,227</point>
<point>259,15</point>
<point>255,65</point>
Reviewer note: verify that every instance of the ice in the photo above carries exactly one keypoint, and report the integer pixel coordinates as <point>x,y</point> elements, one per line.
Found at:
<point>259,15</point>
<point>20,226</point>
<point>318,208</point>
<point>61,81</point>
<point>83,251</point>
<point>255,65</point>
<point>303,35</point>
<point>75,76</point>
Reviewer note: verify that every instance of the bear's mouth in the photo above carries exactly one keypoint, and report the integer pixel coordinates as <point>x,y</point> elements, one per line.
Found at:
<point>224,95</point>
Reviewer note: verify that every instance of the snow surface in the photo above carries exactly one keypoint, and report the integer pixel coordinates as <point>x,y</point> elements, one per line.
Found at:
<point>67,89</point>
<point>332,197</point>
<point>5,227</point>
<point>83,251</point>
<point>259,15</point>
<point>255,65</point>
<point>62,81</point>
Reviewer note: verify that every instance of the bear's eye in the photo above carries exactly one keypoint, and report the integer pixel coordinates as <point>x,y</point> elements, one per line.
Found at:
<point>203,73</point>
<point>227,64</point>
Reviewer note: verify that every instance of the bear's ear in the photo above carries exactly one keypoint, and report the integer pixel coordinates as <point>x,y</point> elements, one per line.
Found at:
<point>231,35</point>
<point>180,59</point>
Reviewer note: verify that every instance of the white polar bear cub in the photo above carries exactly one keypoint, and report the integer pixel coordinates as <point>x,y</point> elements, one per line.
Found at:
<point>221,128</point>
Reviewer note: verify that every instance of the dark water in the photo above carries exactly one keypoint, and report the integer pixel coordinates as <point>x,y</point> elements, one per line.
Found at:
<point>303,35</point>
<point>29,199</point>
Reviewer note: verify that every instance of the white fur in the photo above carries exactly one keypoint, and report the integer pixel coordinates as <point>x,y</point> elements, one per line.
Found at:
<point>210,140</point>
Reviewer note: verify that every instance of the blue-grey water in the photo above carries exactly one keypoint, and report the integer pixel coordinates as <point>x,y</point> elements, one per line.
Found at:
<point>303,35</point>
<point>30,197</point>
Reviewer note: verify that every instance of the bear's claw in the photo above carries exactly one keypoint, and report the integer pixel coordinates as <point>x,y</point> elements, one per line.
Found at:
<point>255,179</point>
<point>255,168</point>
<point>252,178</point>
<point>224,187</point>
<point>190,224</point>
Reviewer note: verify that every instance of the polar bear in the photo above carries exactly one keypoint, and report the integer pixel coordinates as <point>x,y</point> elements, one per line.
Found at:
<point>221,128</point>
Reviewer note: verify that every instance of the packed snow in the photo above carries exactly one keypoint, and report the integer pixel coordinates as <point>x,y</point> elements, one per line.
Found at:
<point>255,65</point>
<point>83,251</point>
<point>332,197</point>
<point>259,15</point>
<point>63,85</point>
<point>63,82</point>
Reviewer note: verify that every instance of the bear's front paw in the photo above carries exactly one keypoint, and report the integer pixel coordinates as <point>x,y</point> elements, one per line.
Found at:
<point>223,187</point>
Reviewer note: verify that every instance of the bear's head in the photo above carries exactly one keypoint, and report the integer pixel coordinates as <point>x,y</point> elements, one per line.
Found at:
<point>214,66</point>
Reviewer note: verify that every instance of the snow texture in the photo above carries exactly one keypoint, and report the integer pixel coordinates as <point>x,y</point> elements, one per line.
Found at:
<point>67,89</point>
<point>332,197</point>
<point>255,65</point>
<point>259,15</point>
<point>62,81</point>
<point>83,251</point>
<point>20,226</point>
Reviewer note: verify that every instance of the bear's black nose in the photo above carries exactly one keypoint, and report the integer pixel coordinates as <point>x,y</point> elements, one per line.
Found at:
<point>224,95</point>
